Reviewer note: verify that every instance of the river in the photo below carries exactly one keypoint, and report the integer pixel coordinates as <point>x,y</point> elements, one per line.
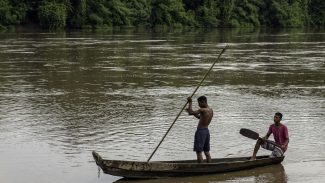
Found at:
<point>117,92</point>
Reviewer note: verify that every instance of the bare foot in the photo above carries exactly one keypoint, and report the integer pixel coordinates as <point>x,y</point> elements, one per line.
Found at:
<point>252,159</point>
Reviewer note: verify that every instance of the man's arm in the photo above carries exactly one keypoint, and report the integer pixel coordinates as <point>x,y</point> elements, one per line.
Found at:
<point>267,135</point>
<point>194,113</point>
<point>285,143</point>
<point>286,135</point>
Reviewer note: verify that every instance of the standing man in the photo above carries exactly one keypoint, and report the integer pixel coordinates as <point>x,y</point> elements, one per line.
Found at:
<point>202,134</point>
<point>281,137</point>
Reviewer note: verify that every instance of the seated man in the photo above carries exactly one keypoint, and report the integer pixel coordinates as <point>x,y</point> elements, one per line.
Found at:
<point>281,137</point>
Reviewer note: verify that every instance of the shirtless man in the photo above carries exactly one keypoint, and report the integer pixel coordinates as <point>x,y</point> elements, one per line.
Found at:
<point>202,134</point>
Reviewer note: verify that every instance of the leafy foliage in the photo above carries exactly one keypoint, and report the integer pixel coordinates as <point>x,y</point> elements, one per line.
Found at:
<point>317,12</point>
<point>12,13</point>
<point>108,13</point>
<point>77,13</point>
<point>52,15</point>
<point>57,14</point>
<point>140,11</point>
<point>245,13</point>
<point>169,12</point>
<point>284,13</point>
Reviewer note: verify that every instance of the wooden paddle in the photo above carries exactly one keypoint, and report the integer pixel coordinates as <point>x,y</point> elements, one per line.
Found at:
<point>254,135</point>
<point>249,133</point>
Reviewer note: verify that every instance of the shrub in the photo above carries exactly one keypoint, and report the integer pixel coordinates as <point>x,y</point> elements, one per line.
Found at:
<point>52,15</point>
<point>10,15</point>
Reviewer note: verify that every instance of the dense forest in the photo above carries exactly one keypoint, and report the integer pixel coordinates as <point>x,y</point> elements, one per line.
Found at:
<point>81,14</point>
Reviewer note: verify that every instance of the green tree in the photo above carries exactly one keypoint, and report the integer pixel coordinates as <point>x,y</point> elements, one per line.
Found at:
<point>140,11</point>
<point>192,4</point>
<point>52,15</point>
<point>244,13</point>
<point>77,13</point>
<point>283,13</point>
<point>120,13</point>
<point>109,12</point>
<point>57,14</point>
<point>170,13</point>
<point>208,13</point>
<point>317,13</point>
<point>12,13</point>
<point>226,12</point>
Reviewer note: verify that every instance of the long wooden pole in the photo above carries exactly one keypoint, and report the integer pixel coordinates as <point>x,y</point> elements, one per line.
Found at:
<point>223,50</point>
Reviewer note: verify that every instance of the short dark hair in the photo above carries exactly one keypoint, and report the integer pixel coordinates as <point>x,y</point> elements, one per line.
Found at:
<point>202,99</point>
<point>279,114</point>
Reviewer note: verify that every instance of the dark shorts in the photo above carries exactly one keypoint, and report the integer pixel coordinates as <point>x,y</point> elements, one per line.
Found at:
<point>276,151</point>
<point>202,140</point>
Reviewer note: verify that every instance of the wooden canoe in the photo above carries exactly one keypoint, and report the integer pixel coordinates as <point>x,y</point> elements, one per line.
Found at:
<point>158,169</point>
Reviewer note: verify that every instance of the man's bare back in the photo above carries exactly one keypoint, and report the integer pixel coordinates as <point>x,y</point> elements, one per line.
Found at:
<point>206,115</point>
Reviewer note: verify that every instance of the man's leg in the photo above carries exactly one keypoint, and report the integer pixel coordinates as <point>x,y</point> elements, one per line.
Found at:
<point>199,156</point>
<point>208,156</point>
<point>257,147</point>
<point>277,152</point>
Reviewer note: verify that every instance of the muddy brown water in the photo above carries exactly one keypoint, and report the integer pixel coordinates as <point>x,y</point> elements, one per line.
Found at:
<point>117,92</point>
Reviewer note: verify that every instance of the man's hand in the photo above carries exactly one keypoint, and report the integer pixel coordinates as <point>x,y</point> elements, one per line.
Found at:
<point>189,99</point>
<point>264,139</point>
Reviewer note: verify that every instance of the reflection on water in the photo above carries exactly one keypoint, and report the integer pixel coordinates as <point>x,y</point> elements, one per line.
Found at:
<point>274,173</point>
<point>65,94</point>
